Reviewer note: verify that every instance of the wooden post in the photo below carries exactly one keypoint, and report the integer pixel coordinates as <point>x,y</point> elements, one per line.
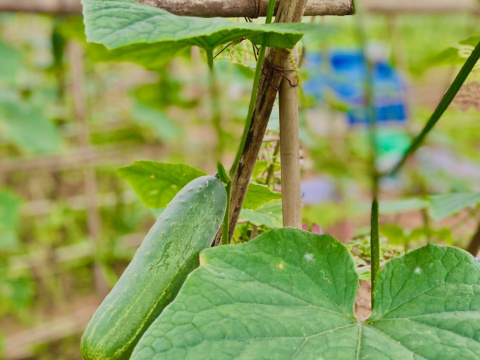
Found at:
<point>290,148</point>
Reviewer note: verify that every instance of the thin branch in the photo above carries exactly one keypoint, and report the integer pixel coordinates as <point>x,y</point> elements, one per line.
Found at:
<point>288,11</point>
<point>441,108</point>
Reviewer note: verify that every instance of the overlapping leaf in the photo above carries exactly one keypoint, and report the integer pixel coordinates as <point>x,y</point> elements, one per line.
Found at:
<point>157,183</point>
<point>269,214</point>
<point>258,195</point>
<point>290,294</point>
<point>127,27</point>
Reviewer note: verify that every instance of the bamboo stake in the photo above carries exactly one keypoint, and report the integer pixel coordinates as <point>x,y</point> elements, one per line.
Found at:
<point>290,150</point>
<point>245,8</point>
<point>200,8</point>
<point>288,11</point>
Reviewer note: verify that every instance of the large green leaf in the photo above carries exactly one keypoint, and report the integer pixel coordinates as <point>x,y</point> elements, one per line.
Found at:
<point>444,205</point>
<point>158,183</point>
<point>289,294</point>
<point>27,126</point>
<point>127,26</point>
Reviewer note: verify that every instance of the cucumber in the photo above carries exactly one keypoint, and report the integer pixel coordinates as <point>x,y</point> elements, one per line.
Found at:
<point>159,268</point>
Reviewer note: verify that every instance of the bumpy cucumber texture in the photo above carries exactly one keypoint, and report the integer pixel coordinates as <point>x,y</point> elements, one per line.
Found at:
<point>160,266</point>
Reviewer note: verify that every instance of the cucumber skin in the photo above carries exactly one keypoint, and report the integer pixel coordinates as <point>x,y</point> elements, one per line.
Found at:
<point>158,270</point>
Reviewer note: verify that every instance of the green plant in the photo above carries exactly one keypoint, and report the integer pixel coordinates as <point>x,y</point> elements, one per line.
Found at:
<point>286,294</point>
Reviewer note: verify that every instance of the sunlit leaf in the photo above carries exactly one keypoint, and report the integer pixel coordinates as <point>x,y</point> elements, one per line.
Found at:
<point>158,183</point>
<point>290,294</point>
<point>128,26</point>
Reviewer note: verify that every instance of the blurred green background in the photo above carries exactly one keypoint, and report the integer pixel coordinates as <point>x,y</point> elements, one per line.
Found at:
<point>70,118</point>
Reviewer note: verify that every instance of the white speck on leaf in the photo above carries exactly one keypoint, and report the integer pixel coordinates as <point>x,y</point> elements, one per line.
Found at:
<point>281,266</point>
<point>309,257</point>
<point>418,271</point>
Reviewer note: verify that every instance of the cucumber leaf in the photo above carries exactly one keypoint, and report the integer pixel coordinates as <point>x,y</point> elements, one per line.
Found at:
<point>258,195</point>
<point>157,183</point>
<point>127,27</point>
<point>290,294</point>
<point>269,214</point>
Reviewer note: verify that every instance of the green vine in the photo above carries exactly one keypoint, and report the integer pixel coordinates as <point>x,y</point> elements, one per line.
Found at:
<point>225,179</point>
<point>442,106</point>
<point>253,97</point>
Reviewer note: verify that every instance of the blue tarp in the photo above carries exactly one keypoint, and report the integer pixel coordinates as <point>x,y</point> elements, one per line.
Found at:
<point>344,77</point>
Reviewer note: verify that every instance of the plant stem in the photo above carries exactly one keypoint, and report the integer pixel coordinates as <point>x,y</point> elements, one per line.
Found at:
<point>288,12</point>
<point>374,246</point>
<point>253,97</point>
<point>369,106</point>
<point>290,151</point>
<point>225,179</point>
<point>216,112</point>
<point>372,132</point>
<point>442,106</point>
<point>226,225</point>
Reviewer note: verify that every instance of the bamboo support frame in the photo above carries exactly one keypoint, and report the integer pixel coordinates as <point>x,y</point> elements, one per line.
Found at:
<point>290,150</point>
<point>288,12</point>
<point>225,8</point>
<point>200,8</point>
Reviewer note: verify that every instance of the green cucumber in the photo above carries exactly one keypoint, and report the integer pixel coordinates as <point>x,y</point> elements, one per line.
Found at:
<point>155,275</point>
